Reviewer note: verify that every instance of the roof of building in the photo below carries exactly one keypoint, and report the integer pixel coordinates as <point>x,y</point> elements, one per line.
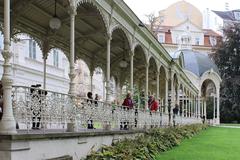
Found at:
<point>209,32</point>
<point>196,62</point>
<point>227,15</point>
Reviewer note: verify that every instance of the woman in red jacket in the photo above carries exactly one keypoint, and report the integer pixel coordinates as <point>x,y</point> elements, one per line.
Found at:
<point>152,104</point>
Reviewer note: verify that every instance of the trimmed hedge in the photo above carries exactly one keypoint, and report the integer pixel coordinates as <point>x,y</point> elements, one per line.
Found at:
<point>146,147</point>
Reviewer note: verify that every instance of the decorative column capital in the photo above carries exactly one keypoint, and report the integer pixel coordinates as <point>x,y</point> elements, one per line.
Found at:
<point>131,53</point>
<point>7,55</point>
<point>108,36</point>
<point>147,64</point>
<point>72,8</point>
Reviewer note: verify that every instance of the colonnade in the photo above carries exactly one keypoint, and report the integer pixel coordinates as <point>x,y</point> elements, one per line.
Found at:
<point>192,106</point>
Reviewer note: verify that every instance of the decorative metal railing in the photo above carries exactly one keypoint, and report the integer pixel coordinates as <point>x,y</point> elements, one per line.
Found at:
<point>35,108</point>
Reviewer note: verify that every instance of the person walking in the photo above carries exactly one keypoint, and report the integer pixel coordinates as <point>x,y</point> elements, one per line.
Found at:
<point>127,104</point>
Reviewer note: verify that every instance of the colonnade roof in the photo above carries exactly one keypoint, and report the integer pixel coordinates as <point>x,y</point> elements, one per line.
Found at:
<point>196,62</point>
<point>91,31</point>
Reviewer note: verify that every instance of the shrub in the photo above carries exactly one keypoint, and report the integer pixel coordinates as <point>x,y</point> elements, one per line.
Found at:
<point>146,146</point>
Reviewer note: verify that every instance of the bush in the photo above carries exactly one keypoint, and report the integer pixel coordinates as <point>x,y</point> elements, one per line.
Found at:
<point>146,146</point>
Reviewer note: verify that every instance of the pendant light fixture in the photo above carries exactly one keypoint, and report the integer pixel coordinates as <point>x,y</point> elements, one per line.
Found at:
<point>55,22</point>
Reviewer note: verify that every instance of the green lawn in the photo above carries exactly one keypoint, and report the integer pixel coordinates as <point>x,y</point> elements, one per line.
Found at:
<point>212,144</point>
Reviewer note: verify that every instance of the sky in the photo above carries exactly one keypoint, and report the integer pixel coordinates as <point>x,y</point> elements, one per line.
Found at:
<point>143,7</point>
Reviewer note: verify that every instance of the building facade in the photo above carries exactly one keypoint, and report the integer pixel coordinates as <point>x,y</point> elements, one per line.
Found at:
<point>217,20</point>
<point>182,19</point>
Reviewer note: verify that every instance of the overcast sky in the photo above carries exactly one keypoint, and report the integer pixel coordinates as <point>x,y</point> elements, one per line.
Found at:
<point>143,7</point>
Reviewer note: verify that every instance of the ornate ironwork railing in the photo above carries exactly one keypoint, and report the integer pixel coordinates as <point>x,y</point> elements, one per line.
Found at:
<point>35,108</point>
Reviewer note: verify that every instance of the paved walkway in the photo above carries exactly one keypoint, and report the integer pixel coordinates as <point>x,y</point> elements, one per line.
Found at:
<point>228,126</point>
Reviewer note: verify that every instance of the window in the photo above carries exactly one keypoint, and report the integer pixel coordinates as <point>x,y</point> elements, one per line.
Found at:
<point>55,58</point>
<point>197,41</point>
<point>213,40</point>
<point>237,16</point>
<point>32,49</point>
<point>161,38</point>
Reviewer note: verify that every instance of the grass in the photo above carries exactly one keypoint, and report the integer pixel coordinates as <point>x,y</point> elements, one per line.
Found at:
<point>213,144</point>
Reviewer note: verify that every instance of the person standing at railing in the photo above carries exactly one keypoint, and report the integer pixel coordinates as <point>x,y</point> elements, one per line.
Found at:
<point>127,104</point>
<point>175,112</point>
<point>90,102</point>
<point>96,99</point>
<point>152,104</point>
<point>37,100</point>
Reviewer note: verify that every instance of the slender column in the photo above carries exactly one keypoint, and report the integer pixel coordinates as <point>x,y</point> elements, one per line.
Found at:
<point>172,101</point>
<point>189,108</point>
<point>196,107</point>
<point>71,127</point>
<point>104,88</point>
<point>202,107</point>
<point>205,108</point>
<point>214,107</point>
<point>166,95</point>
<point>8,123</point>
<point>108,67</point>
<point>157,98</point>
<point>199,107</point>
<point>177,98</point>
<point>44,70</point>
<point>72,49</point>
<point>146,91</point>
<point>91,81</point>
<point>184,105</point>
<point>131,72</point>
<point>193,107</point>
<point>218,106</point>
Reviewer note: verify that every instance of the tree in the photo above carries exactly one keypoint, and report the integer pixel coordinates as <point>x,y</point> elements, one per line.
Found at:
<point>153,23</point>
<point>227,58</point>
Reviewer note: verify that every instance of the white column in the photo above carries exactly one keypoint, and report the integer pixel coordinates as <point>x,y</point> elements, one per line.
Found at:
<point>199,107</point>
<point>214,107</point>
<point>44,70</point>
<point>202,107</point>
<point>71,127</point>
<point>196,107</point>
<point>157,98</point>
<point>104,88</point>
<point>185,105</point>
<point>166,95</point>
<point>189,108</point>
<point>178,98</point>
<point>72,50</point>
<point>172,101</point>
<point>108,67</point>
<point>146,91</point>
<point>205,108</point>
<point>218,106</point>
<point>91,81</point>
<point>8,123</point>
<point>131,72</point>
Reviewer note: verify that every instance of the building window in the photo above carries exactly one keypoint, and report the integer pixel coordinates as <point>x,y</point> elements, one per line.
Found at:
<point>197,41</point>
<point>237,16</point>
<point>55,58</point>
<point>32,49</point>
<point>161,38</point>
<point>213,40</point>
